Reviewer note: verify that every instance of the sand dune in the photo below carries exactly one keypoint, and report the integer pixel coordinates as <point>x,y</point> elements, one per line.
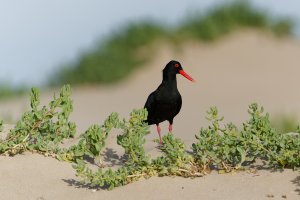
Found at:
<point>231,73</point>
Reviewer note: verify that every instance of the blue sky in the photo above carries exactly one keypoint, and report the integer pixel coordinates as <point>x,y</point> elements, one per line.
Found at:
<point>37,36</point>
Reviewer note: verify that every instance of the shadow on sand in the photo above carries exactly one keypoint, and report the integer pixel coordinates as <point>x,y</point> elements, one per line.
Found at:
<point>296,181</point>
<point>79,184</point>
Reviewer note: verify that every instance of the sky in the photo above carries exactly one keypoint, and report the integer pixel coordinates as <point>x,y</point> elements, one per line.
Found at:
<point>38,36</point>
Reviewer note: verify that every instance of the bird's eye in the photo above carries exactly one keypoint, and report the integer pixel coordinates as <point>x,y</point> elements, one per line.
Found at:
<point>176,65</point>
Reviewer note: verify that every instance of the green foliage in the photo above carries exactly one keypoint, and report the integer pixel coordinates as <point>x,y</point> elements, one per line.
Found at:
<point>41,129</point>
<point>175,159</point>
<point>227,148</point>
<point>8,91</point>
<point>219,146</point>
<point>132,141</point>
<point>92,142</point>
<point>114,58</point>
<point>1,125</point>
<point>131,46</point>
<point>278,149</point>
<point>285,123</point>
<point>133,138</point>
<point>228,17</point>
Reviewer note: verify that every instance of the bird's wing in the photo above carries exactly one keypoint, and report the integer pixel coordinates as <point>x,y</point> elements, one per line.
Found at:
<point>179,104</point>
<point>150,103</point>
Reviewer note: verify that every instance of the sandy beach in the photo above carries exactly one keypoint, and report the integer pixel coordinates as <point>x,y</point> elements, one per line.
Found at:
<point>231,73</point>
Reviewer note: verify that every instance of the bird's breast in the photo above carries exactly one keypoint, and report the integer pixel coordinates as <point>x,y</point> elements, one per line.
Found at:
<point>169,100</point>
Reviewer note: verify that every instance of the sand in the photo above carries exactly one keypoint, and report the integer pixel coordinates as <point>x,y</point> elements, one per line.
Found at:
<point>231,73</point>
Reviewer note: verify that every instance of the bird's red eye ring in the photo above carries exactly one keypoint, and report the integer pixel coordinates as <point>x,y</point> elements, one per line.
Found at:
<point>176,65</point>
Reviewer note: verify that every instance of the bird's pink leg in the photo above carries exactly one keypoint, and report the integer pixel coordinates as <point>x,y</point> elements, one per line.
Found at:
<point>158,131</point>
<point>170,128</point>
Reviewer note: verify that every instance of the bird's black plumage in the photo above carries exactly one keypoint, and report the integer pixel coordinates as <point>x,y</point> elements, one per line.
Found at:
<point>165,102</point>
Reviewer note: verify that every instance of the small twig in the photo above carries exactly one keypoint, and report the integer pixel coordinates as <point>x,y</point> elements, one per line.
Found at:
<point>135,175</point>
<point>191,173</point>
<point>14,147</point>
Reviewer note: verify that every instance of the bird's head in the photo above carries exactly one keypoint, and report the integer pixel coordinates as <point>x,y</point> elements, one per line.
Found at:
<point>174,67</point>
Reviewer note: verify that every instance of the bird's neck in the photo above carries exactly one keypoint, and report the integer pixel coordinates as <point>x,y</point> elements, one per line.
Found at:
<point>169,79</point>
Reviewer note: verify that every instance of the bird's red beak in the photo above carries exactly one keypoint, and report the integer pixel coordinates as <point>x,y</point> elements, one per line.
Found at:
<point>186,75</point>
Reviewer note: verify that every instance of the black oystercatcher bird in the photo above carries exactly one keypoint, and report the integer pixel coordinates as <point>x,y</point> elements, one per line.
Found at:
<point>165,102</point>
